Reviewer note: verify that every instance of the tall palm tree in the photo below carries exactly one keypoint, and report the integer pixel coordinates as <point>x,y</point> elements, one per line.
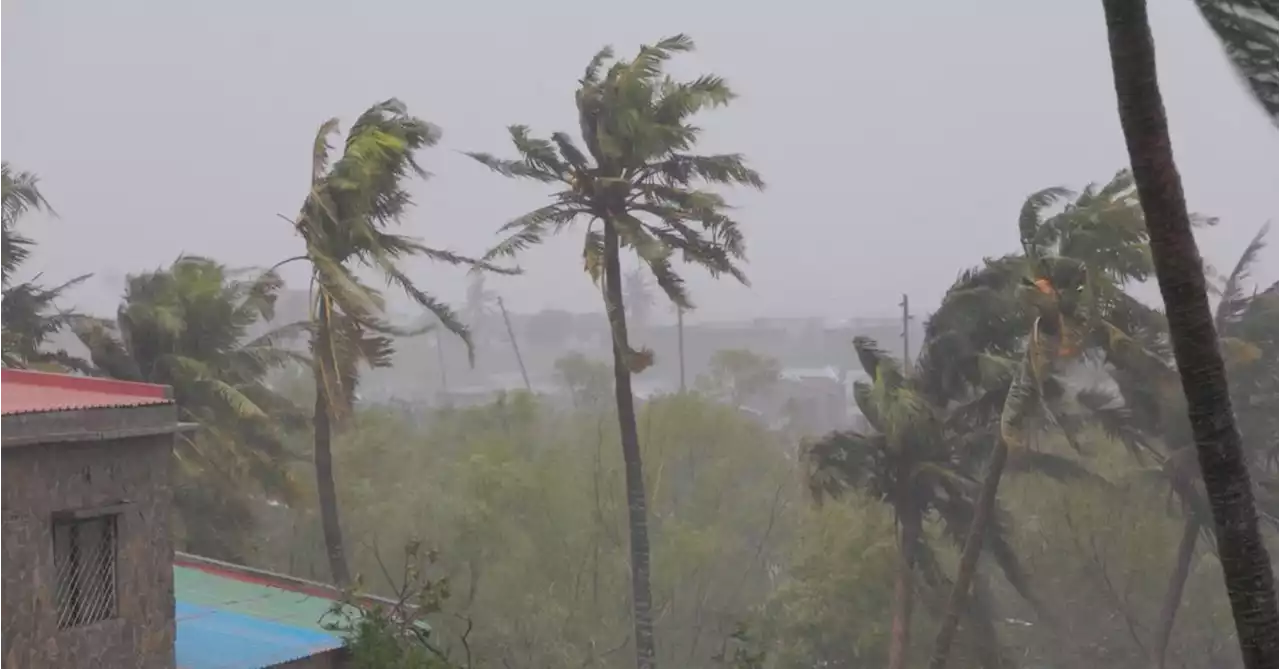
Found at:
<point>1246,566</point>
<point>1153,405</point>
<point>637,186</point>
<point>188,326</point>
<point>29,315</point>
<point>344,224</point>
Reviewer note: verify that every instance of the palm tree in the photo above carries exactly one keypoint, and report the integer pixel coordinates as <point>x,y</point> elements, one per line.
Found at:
<point>187,326</point>
<point>1153,405</point>
<point>344,224</point>
<point>916,459</point>
<point>1247,31</point>
<point>1053,301</point>
<point>27,321</point>
<point>637,187</point>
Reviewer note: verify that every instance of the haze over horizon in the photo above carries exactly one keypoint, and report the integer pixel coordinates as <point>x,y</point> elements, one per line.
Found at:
<point>163,128</point>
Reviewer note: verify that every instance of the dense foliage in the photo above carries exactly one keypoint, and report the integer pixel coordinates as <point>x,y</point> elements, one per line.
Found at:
<point>1025,493</point>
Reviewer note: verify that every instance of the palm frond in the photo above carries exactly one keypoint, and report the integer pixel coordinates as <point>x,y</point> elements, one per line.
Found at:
<point>1031,217</point>
<point>106,350</point>
<point>531,228</point>
<point>1246,29</point>
<point>441,311</point>
<point>514,168</point>
<point>591,75</point>
<point>1232,300</point>
<point>842,461</point>
<point>684,169</point>
<point>872,357</point>
<point>321,148</point>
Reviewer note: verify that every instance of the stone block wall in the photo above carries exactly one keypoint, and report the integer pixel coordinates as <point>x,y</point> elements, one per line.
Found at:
<point>128,477</point>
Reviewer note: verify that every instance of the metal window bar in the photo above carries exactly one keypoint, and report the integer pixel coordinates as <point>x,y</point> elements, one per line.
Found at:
<point>85,560</point>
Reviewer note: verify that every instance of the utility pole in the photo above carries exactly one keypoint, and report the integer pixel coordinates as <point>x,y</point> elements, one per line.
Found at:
<point>511,334</point>
<point>680,341</point>
<point>906,332</point>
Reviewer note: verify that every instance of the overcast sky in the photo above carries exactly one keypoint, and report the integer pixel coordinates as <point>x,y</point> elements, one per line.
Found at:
<point>898,138</point>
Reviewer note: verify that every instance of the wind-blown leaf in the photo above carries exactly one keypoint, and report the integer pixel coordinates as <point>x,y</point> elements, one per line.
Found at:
<point>1246,29</point>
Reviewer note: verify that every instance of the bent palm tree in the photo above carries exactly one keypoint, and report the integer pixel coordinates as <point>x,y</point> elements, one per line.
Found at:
<point>188,327</point>
<point>637,186</point>
<point>1068,285</point>
<point>1246,566</point>
<point>344,225</point>
<point>915,460</point>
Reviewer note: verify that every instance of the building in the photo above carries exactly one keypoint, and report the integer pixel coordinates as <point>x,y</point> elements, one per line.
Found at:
<point>87,565</point>
<point>232,617</point>
<point>90,575</point>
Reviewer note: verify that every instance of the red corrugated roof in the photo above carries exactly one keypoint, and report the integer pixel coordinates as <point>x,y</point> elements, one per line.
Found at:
<point>23,391</point>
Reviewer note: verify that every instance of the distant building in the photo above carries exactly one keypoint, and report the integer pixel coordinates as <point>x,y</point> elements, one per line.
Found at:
<point>90,579</point>
<point>818,399</point>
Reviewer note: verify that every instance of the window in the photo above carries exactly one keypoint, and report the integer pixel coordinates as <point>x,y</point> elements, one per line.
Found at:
<point>84,557</point>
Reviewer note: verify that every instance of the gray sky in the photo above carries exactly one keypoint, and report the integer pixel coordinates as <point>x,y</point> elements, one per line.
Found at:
<point>898,138</point>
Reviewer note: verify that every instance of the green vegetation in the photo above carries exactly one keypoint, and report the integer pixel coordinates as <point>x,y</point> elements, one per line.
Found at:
<point>188,327</point>
<point>29,314</point>
<point>1025,493</point>
<point>1247,31</point>
<point>344,226</point>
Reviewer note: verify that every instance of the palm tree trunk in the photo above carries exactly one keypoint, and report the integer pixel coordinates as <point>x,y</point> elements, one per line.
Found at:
<point>1246,566</point>
<point>1177,582</point>
<point>326,490</point>
<point>904,581</point>
<point>637,504</point>
<point>969,557</point>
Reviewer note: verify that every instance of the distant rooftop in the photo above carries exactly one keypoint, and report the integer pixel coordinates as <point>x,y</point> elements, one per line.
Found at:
<point>23,391</point>
<point>800,373</point>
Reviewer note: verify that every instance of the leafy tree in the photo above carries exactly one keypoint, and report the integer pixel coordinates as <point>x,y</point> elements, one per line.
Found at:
<point>588,381</point>
<point>739,375</point>
<point>637,187</point>
<point>187,326</point>
<point>479,309</point>
<point>344,224</point>
<point>396,632</point>
<point>28,323</point>
<point>1248,33</point>
<point>638,298</point>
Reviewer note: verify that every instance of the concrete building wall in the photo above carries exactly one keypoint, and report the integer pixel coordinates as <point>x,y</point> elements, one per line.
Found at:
<point>129,478</point>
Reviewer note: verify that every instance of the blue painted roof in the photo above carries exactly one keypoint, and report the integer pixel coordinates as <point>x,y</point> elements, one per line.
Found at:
<point>229,619</point>
<point>209,638</point>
